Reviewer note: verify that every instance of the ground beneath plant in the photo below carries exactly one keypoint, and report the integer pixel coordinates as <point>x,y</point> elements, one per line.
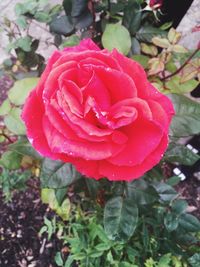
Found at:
<point>20,222</point>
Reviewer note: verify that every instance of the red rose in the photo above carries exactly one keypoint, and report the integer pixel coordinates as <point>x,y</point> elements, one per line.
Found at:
<point>97,110</point>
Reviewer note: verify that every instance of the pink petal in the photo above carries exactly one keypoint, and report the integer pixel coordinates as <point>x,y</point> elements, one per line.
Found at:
<point>143,137</point>
<point>126,173</point>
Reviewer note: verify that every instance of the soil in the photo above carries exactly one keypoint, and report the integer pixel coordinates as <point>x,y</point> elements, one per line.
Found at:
<point>20,222</point>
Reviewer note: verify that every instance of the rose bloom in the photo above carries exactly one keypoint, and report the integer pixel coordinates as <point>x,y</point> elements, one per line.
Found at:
<point>97,110</point>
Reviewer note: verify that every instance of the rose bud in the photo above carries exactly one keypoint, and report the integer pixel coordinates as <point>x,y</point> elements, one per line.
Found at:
<point>155,4</point>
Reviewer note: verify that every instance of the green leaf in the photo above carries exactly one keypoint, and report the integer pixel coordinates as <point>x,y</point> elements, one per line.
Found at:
<point>143,60</point>
<point>10,160</point>
<point>5,107</point>
<point>23,147</point>
<point>24,43</point>
<point>120,218</point>
<point>135,46</point>
<point>165,191</point>
<point>14,123</point>
<point>165,260</point>
<point>174,180</point>
<point>48,197</point>
<point>103,247</point>
<point>57,174</point>
<point>19,9</point>
<point>125,264</point>
<point>83,21</point>
<point>132,16</point>
<point>67,5</point>
<point>20,90</point>
<point>78,7</point>
<point>42,16</point>
<point>60,195</point>
<point>69,261</point>
<point>186,120</point>
<point>189,223</point>
<point>161,42</point>
<point>114,36</point>
<point>179,206</point>
<point>174,85</point>
<point>21,22</point>
<point>58,259</point>
<point>71,41</point>
<point>171,221</point>
<point>194,260</point>
<point>93,186</point>
<point>64,210</point>
<point>141,193</point>
<point>181,154</point>
<point>62,25</point>
<point>146,33</point>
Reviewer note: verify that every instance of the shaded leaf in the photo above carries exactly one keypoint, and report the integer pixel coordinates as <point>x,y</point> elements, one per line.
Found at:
<point>83,21</point>
<point>165,191</point>
<point>146,33</point>
<point>171,221</point>
<point>132,16</point>
<point>11,160</point>
<point>181,154</point>
<point>194,260</point>
<point>23,147</point>
<point>186,120</point>
<point>172,181</point>
<point>78,7</point>
<point>141,193</point>
<point>62,25</point>
<point>189,223</point>
<point>57,174</point>
<point>120,218</point>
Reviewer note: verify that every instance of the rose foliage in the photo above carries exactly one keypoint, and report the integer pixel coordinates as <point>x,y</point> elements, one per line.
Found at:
<point>97,110</point>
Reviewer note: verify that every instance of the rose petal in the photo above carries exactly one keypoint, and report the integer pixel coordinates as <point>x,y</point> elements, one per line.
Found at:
<point>84,149</point>
<point>143,137</point>
<point>120,173</point>
<point>135,71</point>
<point>44,76</point>
<point>123,87</point>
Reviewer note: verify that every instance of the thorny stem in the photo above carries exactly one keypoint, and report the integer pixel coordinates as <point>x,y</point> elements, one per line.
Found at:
<point>181,67</point>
